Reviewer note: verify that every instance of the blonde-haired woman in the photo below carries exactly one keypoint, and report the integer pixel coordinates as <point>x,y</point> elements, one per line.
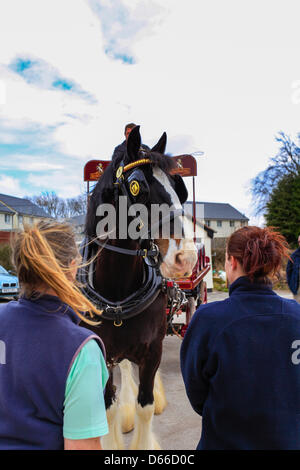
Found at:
<point>51,385</point>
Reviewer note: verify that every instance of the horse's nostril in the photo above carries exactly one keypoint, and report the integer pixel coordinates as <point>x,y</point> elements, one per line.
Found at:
<point>178,259</point>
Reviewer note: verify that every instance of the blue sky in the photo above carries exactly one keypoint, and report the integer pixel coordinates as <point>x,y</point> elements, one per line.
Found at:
<point>221,77</point>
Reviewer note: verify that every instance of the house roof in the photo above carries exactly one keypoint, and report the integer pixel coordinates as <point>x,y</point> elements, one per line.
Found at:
<point>21,206</point>
<point>5,209</point>
<point>214,210</point>
<point>77,220</point>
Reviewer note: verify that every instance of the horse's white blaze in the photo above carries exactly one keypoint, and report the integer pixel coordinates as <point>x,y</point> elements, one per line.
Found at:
<point>160,400</point>
<point>165,182</point>
<point>181,256</point>
<point>127,397</point>
<point>114,439</point>
<point>143,438</point>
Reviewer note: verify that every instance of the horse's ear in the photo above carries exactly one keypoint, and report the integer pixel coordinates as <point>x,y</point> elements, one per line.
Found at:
<point>134,143</point>
<point>180,189</point>
<point>160,147</point>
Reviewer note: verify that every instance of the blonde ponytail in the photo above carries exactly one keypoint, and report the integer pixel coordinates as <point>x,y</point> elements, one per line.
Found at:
<point>42,255</point>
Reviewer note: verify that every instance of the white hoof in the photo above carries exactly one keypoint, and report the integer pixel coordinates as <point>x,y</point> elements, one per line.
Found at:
<point>160,400</point>
<point>143,438</point>
<point>127,397</point>
<point>113,440</point>
<point>127,412</point>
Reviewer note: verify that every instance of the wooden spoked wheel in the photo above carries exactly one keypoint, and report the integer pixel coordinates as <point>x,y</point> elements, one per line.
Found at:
<point>190,309</point>
<point>203,293</point>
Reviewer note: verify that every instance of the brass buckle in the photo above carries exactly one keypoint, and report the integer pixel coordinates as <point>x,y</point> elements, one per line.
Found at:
<point>119,172</point>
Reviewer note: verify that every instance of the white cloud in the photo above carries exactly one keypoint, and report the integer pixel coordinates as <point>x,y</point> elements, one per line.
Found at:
<point>2,93</point>
<point>65,184</point>
<point>11,186</point>
<point>29,163</point>
<point>201,74</point>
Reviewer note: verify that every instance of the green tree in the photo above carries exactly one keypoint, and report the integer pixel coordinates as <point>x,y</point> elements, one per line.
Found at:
<point>283,207</point>
<point>5,256</point>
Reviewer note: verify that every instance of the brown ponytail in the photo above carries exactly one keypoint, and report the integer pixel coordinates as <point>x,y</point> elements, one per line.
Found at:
<point>258,250</point>
<point>42,254</point>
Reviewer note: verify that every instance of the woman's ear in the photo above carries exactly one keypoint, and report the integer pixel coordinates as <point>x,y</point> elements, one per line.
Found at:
<point>233,262</point>
<point>73,268</point>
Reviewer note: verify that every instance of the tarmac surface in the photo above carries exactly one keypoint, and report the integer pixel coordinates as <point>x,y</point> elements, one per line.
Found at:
<point>178,427</point>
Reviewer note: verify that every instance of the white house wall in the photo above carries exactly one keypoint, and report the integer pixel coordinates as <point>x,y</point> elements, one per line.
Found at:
<point>226,230</point>
<point>4,225</point>
<point>15,224</point>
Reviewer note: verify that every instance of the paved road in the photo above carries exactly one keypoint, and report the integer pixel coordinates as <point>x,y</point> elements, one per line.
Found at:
<point>179,427</point>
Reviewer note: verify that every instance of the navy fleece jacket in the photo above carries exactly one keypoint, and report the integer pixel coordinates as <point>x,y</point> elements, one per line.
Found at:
<point>292,271</point>
<point>240,361</point>
<point>120,151</point>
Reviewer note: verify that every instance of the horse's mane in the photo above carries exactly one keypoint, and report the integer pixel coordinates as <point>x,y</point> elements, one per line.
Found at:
<point>103,191</point>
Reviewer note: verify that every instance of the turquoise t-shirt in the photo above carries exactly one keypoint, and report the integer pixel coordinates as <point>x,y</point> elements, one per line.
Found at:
<point>84,407</point>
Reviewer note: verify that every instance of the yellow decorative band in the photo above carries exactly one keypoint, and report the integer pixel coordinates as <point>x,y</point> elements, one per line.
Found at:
<point>143,161</point>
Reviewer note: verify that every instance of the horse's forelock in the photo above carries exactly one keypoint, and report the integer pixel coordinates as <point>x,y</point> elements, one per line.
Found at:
<point>164,162</point>
<point>104,187</point>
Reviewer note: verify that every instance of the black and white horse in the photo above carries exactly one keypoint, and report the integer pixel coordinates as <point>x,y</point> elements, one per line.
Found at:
<point>127,283</point>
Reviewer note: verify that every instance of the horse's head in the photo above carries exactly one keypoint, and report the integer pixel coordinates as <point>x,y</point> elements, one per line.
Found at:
<point>145,178</point>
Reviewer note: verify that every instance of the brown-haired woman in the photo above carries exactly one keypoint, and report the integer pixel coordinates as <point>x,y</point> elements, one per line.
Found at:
<point>240,358</point>
<point>54,373</point>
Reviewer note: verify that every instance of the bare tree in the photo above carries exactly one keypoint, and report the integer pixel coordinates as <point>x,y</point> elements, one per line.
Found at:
<point>76,206</point>
<point>49,201</point>
<point>58,207</point>
<point>285,163</point>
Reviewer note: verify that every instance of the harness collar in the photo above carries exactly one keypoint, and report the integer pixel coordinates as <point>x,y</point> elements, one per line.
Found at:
<point>129,307</point>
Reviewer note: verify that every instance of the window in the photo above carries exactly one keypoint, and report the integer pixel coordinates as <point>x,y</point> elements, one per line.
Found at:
<point>219,223</point>
<point>31,220</point>
<point>20,219</point>
<point>7,218</point>
<point>207,223</point>
<point>232,223</point>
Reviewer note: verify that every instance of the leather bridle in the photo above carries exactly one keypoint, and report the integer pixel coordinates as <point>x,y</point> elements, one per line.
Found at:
<point>153,282</point>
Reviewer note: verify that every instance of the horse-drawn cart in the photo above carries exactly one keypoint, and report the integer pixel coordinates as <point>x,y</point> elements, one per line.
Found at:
<point>184,295</point>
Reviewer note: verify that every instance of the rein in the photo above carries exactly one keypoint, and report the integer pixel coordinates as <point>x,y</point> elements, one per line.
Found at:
<point>152,253</point>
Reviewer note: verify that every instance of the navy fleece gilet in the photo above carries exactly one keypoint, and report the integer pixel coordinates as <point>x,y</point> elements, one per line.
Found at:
<point>41,340</point>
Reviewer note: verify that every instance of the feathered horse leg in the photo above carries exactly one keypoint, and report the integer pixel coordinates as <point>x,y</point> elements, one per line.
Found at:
<point>113,440</point>
<point>159,395</point>
<point>143,437</point>
<point>127,396</point>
